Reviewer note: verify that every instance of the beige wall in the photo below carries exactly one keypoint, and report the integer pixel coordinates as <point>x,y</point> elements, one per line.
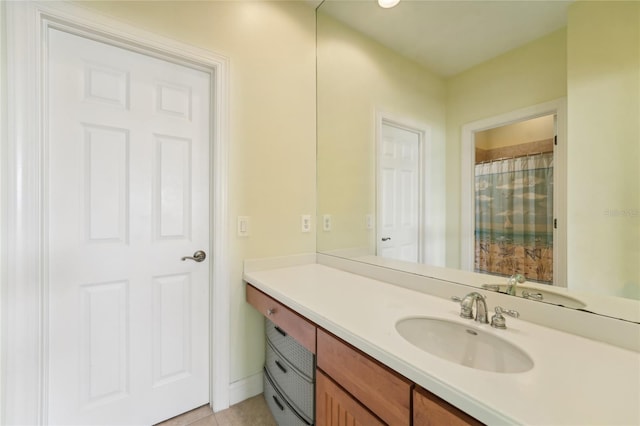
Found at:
<point>534,130</point>
<point>603,200</point>
<point>532,74</point>
<point>271,47</point>
<point>356,77</point>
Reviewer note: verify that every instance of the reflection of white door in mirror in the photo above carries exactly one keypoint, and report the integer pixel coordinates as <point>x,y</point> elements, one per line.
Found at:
<point>399,192</point>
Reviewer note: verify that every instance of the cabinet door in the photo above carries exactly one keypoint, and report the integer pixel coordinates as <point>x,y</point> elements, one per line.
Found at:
<point>335,407</point>
<point>429,410</point>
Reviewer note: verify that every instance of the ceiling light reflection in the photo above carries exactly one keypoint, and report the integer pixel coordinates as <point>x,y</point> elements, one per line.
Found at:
<point>388,3</point>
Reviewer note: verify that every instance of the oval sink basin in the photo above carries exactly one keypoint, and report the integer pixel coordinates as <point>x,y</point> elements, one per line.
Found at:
<point>464,345</point>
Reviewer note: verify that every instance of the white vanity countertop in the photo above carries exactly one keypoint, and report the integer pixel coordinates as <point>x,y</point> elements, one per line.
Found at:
<point>575,381</point>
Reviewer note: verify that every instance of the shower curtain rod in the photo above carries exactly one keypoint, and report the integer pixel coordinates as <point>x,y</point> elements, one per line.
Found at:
<point>515,156</point>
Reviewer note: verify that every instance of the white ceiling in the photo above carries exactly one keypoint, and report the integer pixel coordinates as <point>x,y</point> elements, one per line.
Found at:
<point>450,36</point>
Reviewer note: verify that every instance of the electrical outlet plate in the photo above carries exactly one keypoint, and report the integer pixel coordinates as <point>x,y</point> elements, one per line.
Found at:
<point>306,223</point>
<point>326,222</point>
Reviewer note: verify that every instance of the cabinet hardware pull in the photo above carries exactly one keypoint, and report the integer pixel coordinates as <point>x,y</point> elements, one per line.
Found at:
<point>281,367</point>
<point>278,403</point>
<point>281,331</point>
<point>271,311</point>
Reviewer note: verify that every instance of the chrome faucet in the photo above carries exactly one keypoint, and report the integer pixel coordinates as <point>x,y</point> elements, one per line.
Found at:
<point>513,281</point>
<point>467,304</point>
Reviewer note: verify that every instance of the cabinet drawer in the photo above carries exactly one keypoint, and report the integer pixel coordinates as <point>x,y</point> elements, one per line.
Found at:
<point>283,413</point>
<point>335,407</point>
<point>295,387</point>
<point>429,410</point>
<point>383,391</point>
<point>290,349</point>
<point>296,326</point>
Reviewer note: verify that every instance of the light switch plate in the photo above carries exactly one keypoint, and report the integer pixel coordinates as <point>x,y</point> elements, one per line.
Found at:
<point>243,226</point>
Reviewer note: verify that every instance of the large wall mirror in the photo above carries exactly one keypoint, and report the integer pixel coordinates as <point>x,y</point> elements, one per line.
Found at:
<point>412,97</point>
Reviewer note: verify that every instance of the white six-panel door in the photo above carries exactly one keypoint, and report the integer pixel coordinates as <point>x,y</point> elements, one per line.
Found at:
<point>399,194</point>
<point>128,185</point>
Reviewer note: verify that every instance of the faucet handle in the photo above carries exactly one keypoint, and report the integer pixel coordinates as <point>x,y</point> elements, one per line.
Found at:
<point>532,295</point>
<point>466,309</point>
<point>498,321</point>
<point>466,305</point>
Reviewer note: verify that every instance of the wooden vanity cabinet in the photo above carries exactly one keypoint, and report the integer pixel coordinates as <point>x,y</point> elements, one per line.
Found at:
<point>429,410</point>
<point>351,388</point>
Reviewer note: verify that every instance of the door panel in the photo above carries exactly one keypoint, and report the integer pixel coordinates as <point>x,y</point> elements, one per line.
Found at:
<point>104,345</point>
<point>106,166</point>
<point>172,337</point>
<point>399,194</point>
<point>128,178</point>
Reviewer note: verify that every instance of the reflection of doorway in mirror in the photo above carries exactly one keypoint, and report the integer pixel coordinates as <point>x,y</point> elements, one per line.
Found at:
<point>514,199</point>
<point>399,187</point>
<point>557,110</point>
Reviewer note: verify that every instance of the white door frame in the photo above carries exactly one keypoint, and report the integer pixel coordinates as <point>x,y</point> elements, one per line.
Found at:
<point>424,187</point>
<point>467,201</point>
<point>23,263</point>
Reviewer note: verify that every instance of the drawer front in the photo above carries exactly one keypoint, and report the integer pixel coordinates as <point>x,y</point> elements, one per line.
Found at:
<point>296,326</point>
<point>384,392</point>
<point>289,348</point>
<point>282,412</point>
<point>295,388</point>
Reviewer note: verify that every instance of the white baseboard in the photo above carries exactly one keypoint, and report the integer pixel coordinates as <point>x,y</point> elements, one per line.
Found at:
<point>245,388</point>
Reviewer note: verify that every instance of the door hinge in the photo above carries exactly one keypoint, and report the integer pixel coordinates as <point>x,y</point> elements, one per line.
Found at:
<point>555,223</point>
<point>555,140</point>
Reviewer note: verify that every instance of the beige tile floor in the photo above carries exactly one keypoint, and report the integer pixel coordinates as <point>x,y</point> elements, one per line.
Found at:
<point>251,412</point>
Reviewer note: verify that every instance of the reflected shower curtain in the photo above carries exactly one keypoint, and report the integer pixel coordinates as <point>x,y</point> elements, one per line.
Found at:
<point>514,217</point>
